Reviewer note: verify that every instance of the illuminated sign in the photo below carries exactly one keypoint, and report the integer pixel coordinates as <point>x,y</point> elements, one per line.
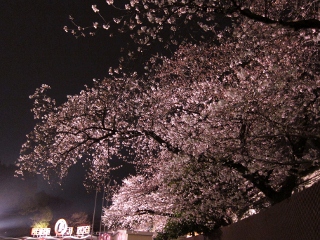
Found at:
<point>61,227</point>
<point>40,232</point>
<point>83,230</point>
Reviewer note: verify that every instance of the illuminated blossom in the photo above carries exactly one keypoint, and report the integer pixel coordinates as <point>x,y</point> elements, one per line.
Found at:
<point>95,9</point>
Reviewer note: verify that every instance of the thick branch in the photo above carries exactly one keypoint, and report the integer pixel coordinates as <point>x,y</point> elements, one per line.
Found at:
<point>261,182</point>
<point>161,141</point>
<point>257,180</point>
<point>152,212</point>
<point>301,24</point>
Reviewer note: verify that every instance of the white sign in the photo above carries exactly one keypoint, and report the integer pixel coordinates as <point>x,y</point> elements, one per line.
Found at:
<point>83,230</point>
<point>61,227</point>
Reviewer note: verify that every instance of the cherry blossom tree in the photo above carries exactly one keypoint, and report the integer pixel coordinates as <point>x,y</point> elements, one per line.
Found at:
<point>221,127</point>
<point>221,134</point>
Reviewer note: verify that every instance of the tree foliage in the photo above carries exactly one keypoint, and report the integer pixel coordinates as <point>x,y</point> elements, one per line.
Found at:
<point>78,219</point>
<point>42,218</point>
<point>219,128</point>
<point>40,208</point>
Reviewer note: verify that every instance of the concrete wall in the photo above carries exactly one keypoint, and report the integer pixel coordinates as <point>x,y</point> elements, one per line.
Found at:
<point>199,237</point>
<point>132,235</point>
<point>297,218</point>
<point>139,235</point>
<point>120,235</point>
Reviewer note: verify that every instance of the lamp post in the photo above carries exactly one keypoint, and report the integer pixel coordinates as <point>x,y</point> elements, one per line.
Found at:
<point>94,212</point>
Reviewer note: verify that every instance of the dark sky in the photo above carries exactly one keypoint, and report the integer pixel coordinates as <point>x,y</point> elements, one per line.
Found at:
<point>34,50</point>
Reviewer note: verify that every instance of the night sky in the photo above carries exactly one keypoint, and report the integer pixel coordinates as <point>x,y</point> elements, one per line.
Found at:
<point>34,49</point>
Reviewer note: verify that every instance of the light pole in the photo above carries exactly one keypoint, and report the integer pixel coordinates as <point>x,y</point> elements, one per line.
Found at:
<point>94,212</point>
